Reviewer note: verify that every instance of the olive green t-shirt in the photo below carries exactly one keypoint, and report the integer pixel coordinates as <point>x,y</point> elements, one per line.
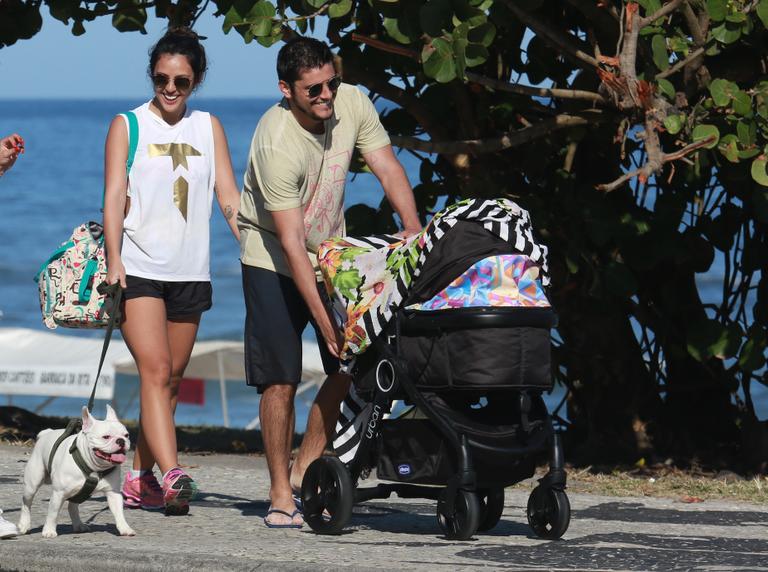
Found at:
<point>290,167</point>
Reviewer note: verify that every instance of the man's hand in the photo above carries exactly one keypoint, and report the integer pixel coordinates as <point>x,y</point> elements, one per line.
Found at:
<point>408,232</point>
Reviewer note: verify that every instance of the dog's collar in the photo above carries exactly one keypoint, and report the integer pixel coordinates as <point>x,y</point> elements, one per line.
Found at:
<point>91,477</point>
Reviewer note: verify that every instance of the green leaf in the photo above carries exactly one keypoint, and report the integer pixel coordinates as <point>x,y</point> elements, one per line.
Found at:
<point>758,170</point>
<point>729,147</point>
<point>702,336</point>
<point>475,55</point>
<point>260,18</point>
<point>339,8</point>
<point>438,60</point>
<point>717,9</point>
<point>391,25</point>
<point>666,87</point>
<point>747,132</point>
<point>752,355</point>
<point>722,91</point>
<point>679,45</point>
<point>727,33</point>
<point>660,55</point>
<point>130,18</point>
<point>347,281</point>
<point>711,339</point>
<point>674,123</point>
<point>762,12</point>
<point>231,18</point>
<point>483,34</point>
<point>705,131</point>
<point>316,3</point>
<point>742,104</point>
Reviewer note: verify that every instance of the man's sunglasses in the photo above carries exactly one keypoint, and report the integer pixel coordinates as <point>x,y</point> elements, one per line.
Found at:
<point>182,83</point>
<point>316,89</point>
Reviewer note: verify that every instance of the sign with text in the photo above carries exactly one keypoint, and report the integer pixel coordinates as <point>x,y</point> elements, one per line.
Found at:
<point>52,381</point>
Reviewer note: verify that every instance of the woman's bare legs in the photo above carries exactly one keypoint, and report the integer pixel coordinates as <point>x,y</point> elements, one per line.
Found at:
<point>161,349</point>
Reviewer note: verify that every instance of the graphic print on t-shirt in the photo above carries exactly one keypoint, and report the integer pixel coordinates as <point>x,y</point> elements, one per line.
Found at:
<point>178,152</point>
<point>324,217</point>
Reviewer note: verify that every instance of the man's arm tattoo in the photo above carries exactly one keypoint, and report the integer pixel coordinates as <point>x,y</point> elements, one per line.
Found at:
<point>228,212</point>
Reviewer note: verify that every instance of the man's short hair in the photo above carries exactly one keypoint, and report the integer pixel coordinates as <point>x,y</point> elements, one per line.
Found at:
<point>301,53</point>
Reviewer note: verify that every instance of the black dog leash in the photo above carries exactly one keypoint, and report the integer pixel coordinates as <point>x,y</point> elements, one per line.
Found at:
<point>113,292</point>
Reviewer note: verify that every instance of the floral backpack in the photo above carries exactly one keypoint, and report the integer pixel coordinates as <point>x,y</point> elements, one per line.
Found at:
<point>70,280</point>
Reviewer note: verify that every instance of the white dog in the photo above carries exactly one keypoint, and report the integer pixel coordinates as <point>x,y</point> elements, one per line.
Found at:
<point>102,446</point>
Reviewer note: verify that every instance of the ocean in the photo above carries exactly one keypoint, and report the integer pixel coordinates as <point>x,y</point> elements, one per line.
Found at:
<point>57,184</point>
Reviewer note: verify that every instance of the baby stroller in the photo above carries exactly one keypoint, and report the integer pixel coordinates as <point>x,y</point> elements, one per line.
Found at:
<point>472,375</point>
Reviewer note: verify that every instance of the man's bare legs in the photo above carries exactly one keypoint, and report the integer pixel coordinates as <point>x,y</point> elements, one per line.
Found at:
<point>277,415</point>
<point>320,425</point>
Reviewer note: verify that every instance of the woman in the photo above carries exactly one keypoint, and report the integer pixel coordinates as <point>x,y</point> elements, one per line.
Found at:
<point>156,227</point>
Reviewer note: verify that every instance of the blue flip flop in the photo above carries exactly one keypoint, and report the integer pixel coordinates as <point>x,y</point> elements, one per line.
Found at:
<point>286,513</point>
<point>297,501</point>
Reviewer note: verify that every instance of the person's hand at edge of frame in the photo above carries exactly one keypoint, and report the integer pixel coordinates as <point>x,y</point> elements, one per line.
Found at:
<point>11,147</point>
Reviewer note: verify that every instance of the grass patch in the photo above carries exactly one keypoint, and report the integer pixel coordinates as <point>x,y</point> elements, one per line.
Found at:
<point>691,486</point>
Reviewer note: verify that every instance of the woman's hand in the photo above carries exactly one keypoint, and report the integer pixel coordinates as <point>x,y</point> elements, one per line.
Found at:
<point>116,272</point>
<point>10,148</point>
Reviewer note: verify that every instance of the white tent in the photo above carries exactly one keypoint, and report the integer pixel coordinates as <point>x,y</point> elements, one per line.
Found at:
<point>42,363</point>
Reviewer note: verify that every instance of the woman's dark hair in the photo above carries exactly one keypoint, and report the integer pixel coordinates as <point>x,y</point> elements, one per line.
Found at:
<point>183,41</point>
<point>301,53</point>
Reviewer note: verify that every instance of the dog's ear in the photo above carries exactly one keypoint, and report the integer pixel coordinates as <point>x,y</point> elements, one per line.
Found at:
<point>87,419</point>
<point>111,415</point>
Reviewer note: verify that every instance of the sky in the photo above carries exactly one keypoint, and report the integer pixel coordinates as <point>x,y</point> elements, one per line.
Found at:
<point>104,63</point>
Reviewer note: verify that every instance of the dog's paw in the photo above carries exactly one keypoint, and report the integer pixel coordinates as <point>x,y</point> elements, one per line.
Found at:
<point>23,528</point>
<point>49,532</point>
<point>81,528</point>
<point>127,531</point>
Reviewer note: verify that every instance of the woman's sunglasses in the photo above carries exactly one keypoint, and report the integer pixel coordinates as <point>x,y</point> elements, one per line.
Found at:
<point>316,89</point>
<point>182,83</point>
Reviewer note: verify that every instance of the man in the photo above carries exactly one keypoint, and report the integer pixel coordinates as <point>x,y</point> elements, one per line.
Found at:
<point>293,199</point>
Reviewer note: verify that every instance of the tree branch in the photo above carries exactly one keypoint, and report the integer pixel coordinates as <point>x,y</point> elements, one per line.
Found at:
<point>651,168</point>
<point>506,141</point>
<point>665,10</point>
<point>562,42</point>
<point>385,47</point>
<point>681,64</point>
<point>535,91</point>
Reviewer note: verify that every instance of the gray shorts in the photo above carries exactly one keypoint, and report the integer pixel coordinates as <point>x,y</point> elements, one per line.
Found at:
<point>276,315</point>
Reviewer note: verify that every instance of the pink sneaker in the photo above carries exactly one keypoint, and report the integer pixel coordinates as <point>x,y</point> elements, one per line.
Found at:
<point>178,490</point>
<point>142,492</point>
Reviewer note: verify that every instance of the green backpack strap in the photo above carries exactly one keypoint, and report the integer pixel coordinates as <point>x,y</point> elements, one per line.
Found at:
<point>133,139</point>
<point>133,144</point>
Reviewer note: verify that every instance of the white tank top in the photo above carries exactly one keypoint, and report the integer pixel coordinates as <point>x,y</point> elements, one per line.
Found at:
<point>166,232</point>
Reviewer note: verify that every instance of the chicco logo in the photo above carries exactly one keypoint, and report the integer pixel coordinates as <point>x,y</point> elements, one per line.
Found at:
<point>404,469</point>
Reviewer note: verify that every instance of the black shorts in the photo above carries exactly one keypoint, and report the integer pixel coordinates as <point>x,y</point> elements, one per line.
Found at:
<point>275,318</point>
<point>181,298</point>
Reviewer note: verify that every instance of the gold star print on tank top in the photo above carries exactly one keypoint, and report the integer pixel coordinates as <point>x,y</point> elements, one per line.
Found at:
<point>178,152</point>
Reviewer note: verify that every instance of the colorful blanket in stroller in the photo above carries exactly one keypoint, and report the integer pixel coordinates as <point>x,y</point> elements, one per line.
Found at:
<point>502,280</point>
<point>370,276</point>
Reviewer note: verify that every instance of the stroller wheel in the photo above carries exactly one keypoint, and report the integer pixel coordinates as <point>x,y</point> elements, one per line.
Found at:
<point>549,512</point>
<point>491,507</point>
<point>462,523</point>
<point>327,495</point>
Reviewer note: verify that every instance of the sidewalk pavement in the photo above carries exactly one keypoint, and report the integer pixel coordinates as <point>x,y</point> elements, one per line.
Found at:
<point>224,531</point>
